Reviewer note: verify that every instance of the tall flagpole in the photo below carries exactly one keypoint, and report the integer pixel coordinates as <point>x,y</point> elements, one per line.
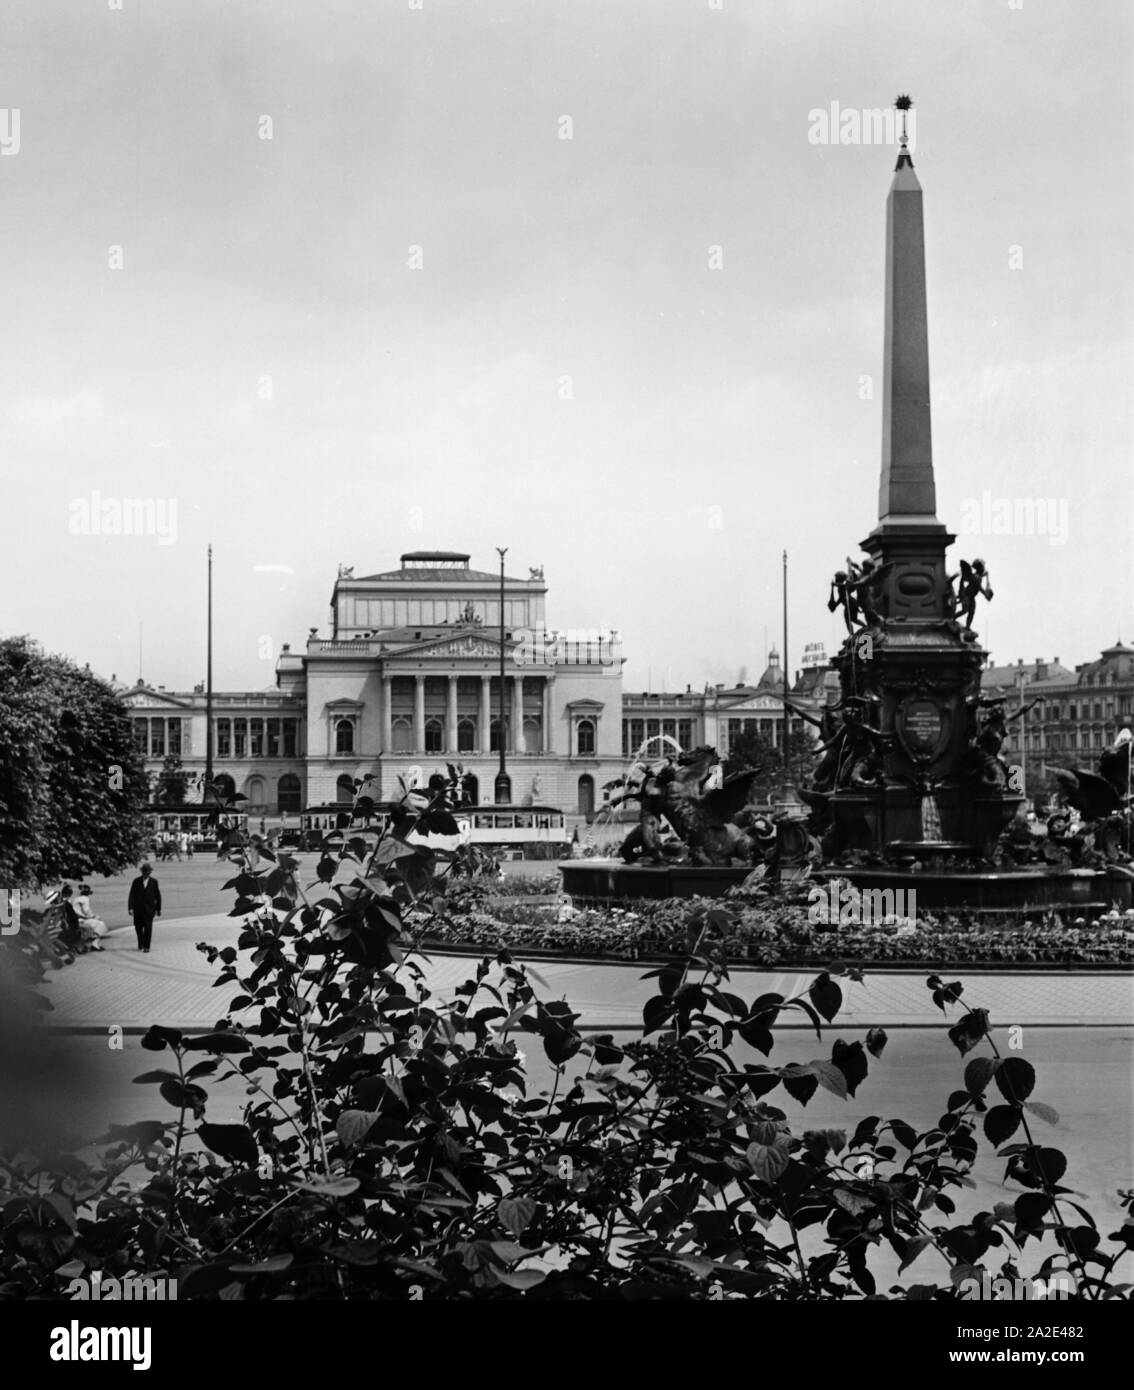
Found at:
<point>503,793</point>
<point>209,691</point>
<point>787,707</point>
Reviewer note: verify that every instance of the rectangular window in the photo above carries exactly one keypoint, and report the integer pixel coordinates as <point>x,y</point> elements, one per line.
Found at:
<point>240,738</point>
<point>653,728</point>
<point>141,735</point>
<point>626,749</point>
<point>175,736</point>
<point>224,738</point>
<point>1074,712</point>
<point>669,726</point>
<point>290,739</point>
<point>685,733</point>
<point>273,738</point>
<point>157,738</point>
<point>256,738</point>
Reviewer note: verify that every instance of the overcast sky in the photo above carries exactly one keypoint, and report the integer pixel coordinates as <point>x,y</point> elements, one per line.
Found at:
<point>566,374</point>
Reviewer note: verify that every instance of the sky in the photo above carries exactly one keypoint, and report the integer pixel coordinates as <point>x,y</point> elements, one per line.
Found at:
<point>324,281</point>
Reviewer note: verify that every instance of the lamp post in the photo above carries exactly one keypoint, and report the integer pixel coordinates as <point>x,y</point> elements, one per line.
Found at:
<point>503,792</point>
<point>209,691</point>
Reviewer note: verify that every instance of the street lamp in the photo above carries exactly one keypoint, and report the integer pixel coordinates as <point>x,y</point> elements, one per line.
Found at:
<point>503,793</point>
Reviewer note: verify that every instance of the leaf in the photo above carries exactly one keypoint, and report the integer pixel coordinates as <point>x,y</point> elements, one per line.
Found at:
<point>183,1097</point>
<point>875,1041</point>
<point>1015,1079</point>
<point>519,1278</point>
<point>905,1134</point>
<point>656,1011</point>
<point>768,1161</point>
<point>157,1038</point>
<point>156,1077</point>
<point>968,1031</point>
<point>1050,1164</point>
<point>272,1265</point>
<point>830,1077</point>
<point>218,1042</point>
<point>978,1073</point>
<point>330,1187</point>
<point>912,1250</point>
<point>234,1142</point>
<point>1045,1112</point>
<point>826,995</point>
<point>1031,1208</point>
<point>1001,1122</point>
<point>851,1061</point>
<point>516,1214</point>
<point>799,1082</point>
<point>353,1126</point>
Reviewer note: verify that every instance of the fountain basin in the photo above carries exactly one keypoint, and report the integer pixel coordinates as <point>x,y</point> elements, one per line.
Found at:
<point>604,881</point>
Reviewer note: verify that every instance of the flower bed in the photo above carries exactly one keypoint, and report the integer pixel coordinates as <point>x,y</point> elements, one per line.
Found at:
<point>784,935</point>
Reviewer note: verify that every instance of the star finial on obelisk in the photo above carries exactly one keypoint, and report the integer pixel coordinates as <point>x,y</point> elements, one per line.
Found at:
<point>904,104</point>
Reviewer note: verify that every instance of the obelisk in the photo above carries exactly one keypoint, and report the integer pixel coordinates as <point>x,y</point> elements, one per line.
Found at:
<point>908,535</point>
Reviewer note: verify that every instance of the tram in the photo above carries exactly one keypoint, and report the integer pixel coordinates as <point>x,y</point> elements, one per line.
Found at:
<point>520,832</point>
<point>167,823</point>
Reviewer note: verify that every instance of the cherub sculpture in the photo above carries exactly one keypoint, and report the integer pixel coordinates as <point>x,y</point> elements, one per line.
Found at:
<point>973,583</point>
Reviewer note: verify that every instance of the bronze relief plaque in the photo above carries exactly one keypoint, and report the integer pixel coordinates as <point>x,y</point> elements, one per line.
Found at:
<point>922,727</point>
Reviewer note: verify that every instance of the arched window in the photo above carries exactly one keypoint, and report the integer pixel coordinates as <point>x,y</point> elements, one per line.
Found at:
<point>401,735</point>
<point>254,791</point>
<point>466,736</point>
<point>344,789</point>
<point>503,790</point>
<point>434,736</point>
<point>344,736</point>
<point>585,739</point>
<point>586,796</point>
<point>288,792</point>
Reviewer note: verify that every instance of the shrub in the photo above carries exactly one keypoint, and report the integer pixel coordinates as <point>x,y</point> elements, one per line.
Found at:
<point>389,1147</point>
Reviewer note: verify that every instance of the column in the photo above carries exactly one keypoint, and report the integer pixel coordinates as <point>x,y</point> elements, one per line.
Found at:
<point>518,714</point>
<point>387,714</point>
<point>419,714</point>
<point>485,740</point>
<point>547,745</point>
<point>451,717</point>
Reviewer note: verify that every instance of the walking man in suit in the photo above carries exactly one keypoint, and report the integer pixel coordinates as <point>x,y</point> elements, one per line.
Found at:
<point>145,904</point>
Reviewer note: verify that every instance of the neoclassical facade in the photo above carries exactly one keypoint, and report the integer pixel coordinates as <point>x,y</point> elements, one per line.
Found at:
<point>407,680</point>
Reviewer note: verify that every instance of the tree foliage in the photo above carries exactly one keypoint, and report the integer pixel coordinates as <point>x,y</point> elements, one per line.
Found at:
<point>72,788</point>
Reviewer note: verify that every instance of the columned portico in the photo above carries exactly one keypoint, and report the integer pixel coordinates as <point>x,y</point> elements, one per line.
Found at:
<point>451,716</point>
<point>517,724</point>
<point>485,722</point>
<point>419,714</point>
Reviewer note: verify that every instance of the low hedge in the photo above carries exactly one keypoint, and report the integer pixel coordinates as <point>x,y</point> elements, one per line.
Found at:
<point>783,935</point>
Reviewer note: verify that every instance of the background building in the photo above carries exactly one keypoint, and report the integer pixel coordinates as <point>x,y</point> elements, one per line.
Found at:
<point>1082,711</point>
<point>407,681</point>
